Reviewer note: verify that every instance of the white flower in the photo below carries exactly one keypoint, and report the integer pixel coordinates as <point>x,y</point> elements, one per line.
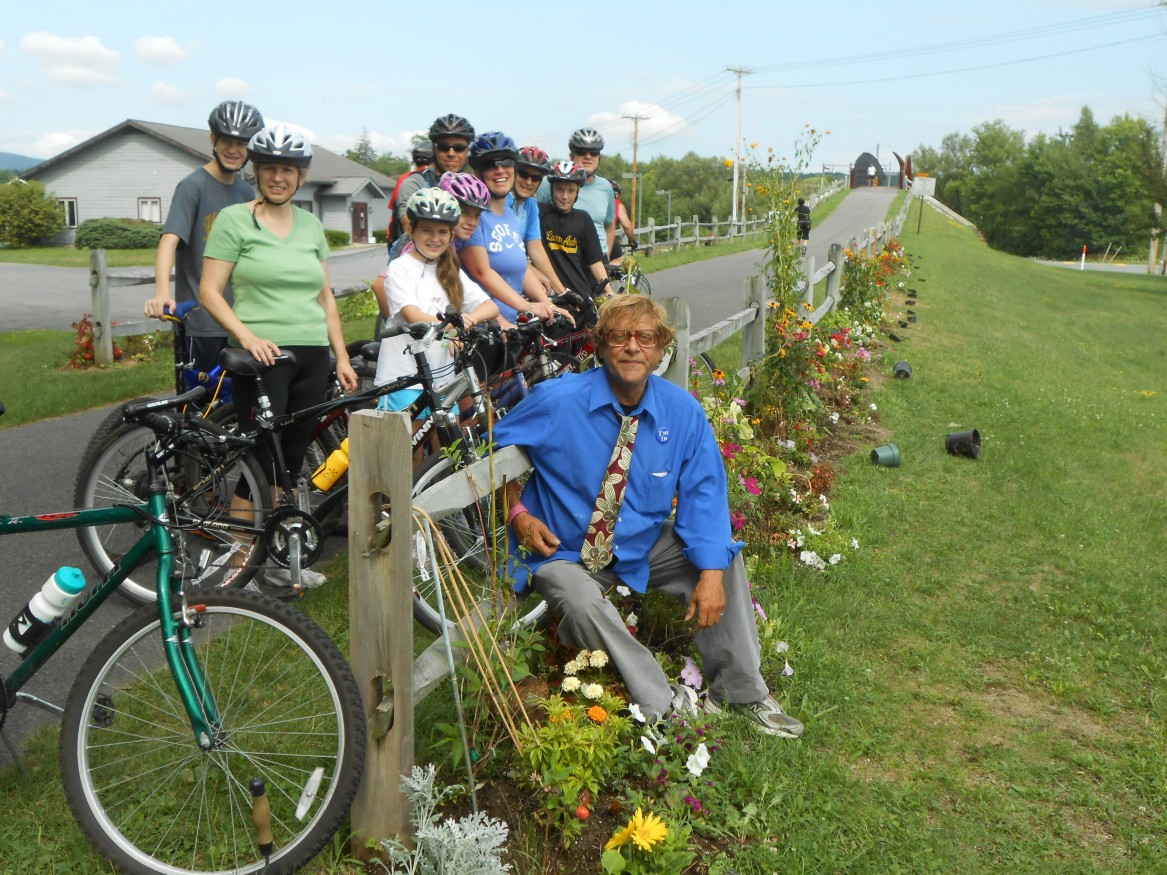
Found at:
<point>836,558</point>
<point>854,543</point>
<point>571,684</point>
<point>834,417</point>
<point>698,760</point>
<point>873,407</point>
<point>823,501</point>
<point>787,671</point>
<point>795,497</point>
<point>811,558</point>
<point>593,691</point>
<point>573,667</point>
<point>630,620</point>
<point>813,530</point>
<point>598,659</point>
<point>636,713</point>
<point>782,647</point>
<point>790,445</point>
<point>623,590</point>
<point>648,745</point>
<point>582,658</point>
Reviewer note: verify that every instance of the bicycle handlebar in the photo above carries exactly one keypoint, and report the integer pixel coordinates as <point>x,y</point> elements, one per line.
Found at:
<point>137,409</point>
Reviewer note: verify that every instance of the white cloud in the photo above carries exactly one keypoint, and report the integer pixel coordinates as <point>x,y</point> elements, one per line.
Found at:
<point>231,87</point>
<point>654,120</point>
<point>6,99</point>
<point>73,60</point>
<point>160,50</point>
<point>48,145</point>
<point>398,144</point>
<point>168,95</point>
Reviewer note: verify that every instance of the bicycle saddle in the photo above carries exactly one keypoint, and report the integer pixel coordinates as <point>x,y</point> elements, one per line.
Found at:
<point>240,361</point>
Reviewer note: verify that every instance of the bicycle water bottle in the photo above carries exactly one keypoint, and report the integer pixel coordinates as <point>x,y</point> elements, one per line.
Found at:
<point>54,600</point>
<point>337,463</point>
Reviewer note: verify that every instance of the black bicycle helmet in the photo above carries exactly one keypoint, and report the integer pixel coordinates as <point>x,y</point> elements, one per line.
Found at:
<point>433,204</point>
<point>423,153</point>
<point>586,139</point>
<point>451,126</point>
<point>534,158</point>
<point>616,189</point>
<point>492,146</point>
<point>279,145</point>
<point>234,118</point>
<point>567,171</point>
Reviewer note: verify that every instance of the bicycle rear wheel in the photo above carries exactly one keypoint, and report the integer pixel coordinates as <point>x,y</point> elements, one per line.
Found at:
<point>471,534</point>
<point>209,549</point>
<point>150,800</point>
<point>638,284</point>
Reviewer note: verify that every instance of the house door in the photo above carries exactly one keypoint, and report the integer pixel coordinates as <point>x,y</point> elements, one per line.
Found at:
<point>360,222</point>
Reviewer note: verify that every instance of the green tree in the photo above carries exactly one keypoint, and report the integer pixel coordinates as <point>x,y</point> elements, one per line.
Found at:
<point>363,152</point>
<point>28,214</point>
<point>949,165</point>
<point>994,193</point>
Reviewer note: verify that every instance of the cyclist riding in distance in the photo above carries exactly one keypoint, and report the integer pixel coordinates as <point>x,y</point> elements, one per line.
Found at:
<point>495,255</point>
<point>595,196</point>
<point>421,284</point>
<point>196,202</point>
<point>276,257</point>
<point>531,165</point>
<point>569,235</point>
<point>451,136</point>
<point>472,196</point>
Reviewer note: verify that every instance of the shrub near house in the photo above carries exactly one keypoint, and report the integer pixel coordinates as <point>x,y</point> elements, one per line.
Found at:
<point>117,234</point>
<point>27,214</point>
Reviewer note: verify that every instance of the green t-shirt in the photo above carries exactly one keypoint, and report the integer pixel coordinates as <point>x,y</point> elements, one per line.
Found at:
<point>277,281</point>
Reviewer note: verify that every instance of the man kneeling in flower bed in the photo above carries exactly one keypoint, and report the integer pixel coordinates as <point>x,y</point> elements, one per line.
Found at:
<point>636,440</point>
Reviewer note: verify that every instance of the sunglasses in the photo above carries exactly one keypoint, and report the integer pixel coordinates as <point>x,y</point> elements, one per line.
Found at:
<point>492,163</point>
<point>526,174</point>
<point>620,337</point>
<point>587,153</point>
<point>451,147</point>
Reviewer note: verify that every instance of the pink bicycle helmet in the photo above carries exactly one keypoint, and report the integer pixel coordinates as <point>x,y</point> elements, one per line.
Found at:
<point>466,188</point>
<point>534,158</point>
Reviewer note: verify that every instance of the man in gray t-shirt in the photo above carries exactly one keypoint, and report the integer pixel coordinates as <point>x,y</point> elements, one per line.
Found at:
<point>197,200</point>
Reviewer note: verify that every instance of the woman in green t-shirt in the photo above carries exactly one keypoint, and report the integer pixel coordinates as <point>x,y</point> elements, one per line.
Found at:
<point>276,259</point>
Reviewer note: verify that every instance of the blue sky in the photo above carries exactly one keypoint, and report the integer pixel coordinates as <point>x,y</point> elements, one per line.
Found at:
<point>879,77</point>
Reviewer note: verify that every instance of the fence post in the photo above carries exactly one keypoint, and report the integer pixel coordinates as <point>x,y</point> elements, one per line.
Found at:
<point>99,287</point>
<point>677,310</point>
<point>651,235</point>
<point>754,334</point>
<point>696,230</point>
<point>381,621</point>
<point>808,272</point>
<point>835,277</point>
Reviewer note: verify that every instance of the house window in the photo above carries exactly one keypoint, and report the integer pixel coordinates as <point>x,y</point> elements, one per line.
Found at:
<point>70,205</point>
<point>150,209</point>
<point>304,205</point>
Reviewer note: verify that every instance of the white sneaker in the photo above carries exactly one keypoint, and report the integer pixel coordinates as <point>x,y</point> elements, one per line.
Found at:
<point>309,579</point>
<point>765,716</point>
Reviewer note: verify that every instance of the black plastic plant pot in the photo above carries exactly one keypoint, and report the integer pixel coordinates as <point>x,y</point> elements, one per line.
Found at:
<point>902,370</point>
<point>887,456</point>
<point>912,318</point>
<point>911,302</point>
<point>903,324</point>
<point>964,443</point>
<point>894,337</point>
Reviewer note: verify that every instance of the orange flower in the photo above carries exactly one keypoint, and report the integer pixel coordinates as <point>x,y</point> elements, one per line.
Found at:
<point>597,713</point>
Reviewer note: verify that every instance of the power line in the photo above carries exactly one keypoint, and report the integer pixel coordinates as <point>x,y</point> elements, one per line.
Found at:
<point>955,69</point>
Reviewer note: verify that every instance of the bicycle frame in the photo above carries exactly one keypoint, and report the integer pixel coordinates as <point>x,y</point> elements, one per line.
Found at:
<point>176,637</point>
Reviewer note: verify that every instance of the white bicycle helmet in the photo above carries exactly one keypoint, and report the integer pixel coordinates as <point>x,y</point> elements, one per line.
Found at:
<point>280,145</point>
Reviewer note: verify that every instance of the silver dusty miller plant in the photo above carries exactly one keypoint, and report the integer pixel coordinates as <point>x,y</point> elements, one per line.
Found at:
<point>470,845</point>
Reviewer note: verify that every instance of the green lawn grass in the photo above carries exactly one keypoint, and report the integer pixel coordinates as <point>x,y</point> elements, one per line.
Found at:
<point>982,680</point>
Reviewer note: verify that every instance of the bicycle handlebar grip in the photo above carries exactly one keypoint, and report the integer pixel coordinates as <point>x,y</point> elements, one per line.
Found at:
<point>136,409</point>
<point>261,816</point>
<point>413,329</point>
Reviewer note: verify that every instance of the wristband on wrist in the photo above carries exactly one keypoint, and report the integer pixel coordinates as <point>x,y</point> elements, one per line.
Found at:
<point>516,509</point>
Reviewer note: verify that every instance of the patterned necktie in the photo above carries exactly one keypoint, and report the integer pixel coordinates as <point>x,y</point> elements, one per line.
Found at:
<point>597,546</point>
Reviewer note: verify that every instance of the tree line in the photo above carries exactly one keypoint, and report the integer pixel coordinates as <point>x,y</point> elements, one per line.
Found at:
<point>1093,186</point>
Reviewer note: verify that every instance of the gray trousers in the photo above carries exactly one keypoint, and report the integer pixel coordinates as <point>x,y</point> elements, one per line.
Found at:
<point>729,649</point>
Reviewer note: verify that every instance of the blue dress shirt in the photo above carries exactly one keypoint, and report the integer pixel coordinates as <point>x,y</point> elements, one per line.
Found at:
<point>568,428</point>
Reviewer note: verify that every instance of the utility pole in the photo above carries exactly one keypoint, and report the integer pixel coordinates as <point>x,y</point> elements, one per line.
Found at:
<point>636,120</point>
<point>1157,231</point>
<point>737,144</point>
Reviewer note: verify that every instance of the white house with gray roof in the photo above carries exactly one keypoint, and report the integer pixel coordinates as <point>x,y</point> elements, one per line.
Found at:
<point>131,170</point>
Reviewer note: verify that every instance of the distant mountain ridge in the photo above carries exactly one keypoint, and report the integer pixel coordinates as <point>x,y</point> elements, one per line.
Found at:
<point>12,161</point>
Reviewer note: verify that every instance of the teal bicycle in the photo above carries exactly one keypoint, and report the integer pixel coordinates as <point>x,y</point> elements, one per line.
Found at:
<point>197,715</point>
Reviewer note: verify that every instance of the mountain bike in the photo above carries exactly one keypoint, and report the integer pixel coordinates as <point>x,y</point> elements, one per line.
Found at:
<point>200,712</point>
<point>627,277</point>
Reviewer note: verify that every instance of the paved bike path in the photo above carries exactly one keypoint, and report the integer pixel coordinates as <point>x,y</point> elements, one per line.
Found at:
<point>39,461</point>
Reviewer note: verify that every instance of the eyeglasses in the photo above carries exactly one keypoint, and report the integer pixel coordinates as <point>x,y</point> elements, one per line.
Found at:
<point>491,163</point>
<point>533,177</point>
<point>587,153</point>
<point>621,336</point>
<point>451,147</point>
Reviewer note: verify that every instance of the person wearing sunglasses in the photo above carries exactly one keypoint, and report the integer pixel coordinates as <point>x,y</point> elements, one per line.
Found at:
<point>451,136</point>
<point>531,165</point>
<point>495,256</point>
<point>595,196</point>
<point>639,442</point>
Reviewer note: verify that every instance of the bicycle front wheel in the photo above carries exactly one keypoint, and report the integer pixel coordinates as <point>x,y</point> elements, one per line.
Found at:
<point>150,800</point>
<point>210,550</point>
<point>638,284</point>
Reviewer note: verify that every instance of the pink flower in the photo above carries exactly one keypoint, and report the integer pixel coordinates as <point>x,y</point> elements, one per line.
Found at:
<point>751,485</point>
<point>738,520</point>
<point>730,450</point>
